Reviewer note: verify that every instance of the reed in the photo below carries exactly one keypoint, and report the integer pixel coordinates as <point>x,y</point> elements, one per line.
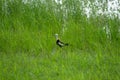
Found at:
<point>28,48</point>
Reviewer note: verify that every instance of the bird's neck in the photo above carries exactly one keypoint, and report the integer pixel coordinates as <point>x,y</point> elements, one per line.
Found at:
<point>57,38</point>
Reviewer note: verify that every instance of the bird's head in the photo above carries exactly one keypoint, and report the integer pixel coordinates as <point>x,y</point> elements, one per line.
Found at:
<point>56,36</point>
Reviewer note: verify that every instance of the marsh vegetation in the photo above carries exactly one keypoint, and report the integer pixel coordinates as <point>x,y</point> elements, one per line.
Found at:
<point>28,49</point>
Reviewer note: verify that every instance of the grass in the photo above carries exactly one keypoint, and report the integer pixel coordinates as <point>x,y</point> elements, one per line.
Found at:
<point>71,65</point>
<point>28,50</point>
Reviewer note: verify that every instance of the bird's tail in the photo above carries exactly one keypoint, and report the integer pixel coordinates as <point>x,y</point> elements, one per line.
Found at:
<point>66,44</point>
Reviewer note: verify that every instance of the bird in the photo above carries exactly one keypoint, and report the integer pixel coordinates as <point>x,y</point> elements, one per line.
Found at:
<point>60,43</point>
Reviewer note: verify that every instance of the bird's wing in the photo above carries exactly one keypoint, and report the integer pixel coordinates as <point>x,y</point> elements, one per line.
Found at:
<point>61,43</point>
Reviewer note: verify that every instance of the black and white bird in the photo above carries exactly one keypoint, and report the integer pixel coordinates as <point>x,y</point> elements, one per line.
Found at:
<point>60,43</point>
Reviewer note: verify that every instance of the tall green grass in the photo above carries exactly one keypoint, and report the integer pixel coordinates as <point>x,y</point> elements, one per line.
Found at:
<point>28,49</point>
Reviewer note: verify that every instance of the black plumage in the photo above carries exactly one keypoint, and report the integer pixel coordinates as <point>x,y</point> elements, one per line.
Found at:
<point>61,44</point>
